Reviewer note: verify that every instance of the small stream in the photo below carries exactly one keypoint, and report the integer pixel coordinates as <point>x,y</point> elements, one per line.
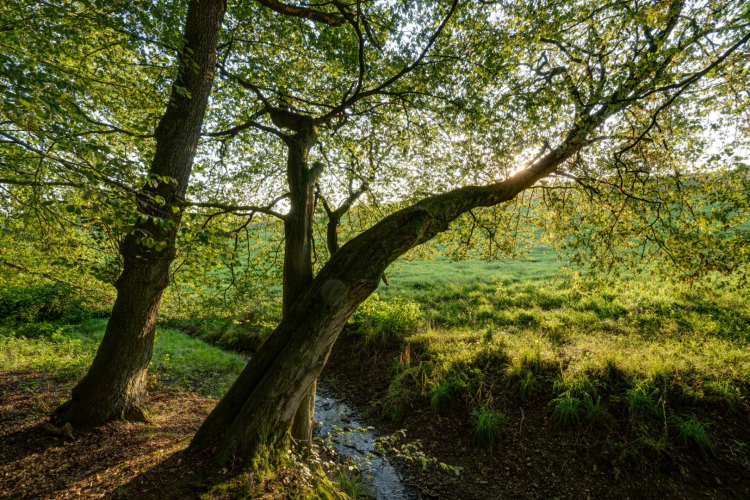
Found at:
<point>386,482</point>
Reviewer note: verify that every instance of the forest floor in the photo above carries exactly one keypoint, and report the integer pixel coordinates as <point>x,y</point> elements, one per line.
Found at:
<point>94,463</point>
<point>127,459</point>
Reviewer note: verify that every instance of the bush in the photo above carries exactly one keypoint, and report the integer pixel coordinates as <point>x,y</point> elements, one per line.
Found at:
<point>31,304</point>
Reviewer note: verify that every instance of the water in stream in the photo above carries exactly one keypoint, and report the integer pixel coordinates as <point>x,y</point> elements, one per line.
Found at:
<point>331,414</point>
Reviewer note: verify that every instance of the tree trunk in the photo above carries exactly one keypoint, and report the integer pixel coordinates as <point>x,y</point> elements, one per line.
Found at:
<point>115,385</point>
<point>258,409</point>
<point>332,232</point>
<point>298,271</point>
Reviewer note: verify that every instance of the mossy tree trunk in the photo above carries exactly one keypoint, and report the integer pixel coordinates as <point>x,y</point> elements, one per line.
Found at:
<point>115,385</point>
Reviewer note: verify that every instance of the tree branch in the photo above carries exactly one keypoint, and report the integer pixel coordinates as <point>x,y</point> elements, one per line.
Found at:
<point>249,209</point>
<point>404,71</point>
<point>302,12</point>
<point>21,182</point>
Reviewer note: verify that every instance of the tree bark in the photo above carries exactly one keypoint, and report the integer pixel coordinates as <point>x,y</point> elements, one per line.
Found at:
<point>332,233</point>
<point>298,234</point>
<point>115,385</point>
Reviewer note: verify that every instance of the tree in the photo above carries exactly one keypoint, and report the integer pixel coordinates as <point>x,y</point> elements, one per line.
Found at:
<point>115,385</point>
<point>296,119</point>
<point>116,381</point>
<point>402,101</point>
<point>149,231</point>
<point>593,80</point>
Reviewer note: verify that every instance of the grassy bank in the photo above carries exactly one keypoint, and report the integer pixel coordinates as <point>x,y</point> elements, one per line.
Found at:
<point>656,369</point>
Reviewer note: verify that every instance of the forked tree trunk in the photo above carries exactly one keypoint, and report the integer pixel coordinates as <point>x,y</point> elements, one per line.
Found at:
<point>115,385</point>
<point>258,409</point>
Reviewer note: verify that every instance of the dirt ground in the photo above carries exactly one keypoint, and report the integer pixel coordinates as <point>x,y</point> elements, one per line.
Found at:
<point>118,460</point>
<point>535,460</point>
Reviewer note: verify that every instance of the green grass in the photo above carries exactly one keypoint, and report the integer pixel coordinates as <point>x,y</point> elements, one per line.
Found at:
<point>643,402</point>
<point>352,484</point>
<point>693,433</point>
<point>421,279</point>
<point>65,351</point>
<point>447,393</point>
<point>636,351</point>
<point>489,426</point>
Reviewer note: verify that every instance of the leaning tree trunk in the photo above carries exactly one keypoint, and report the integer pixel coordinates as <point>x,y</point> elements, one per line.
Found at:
<point>259,408</point>
<point>115,385</point>
<point>298,271</point>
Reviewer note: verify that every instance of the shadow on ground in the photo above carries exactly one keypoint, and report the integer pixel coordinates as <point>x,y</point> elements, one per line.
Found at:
<point>114,459</point>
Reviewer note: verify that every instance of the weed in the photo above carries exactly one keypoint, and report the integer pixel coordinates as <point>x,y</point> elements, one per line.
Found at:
<point>642,402</point>
<point>723,392</point>
<point>577,403</point>
<point>523,373</point>
<point>528,384</point>
<point>352,483</point>
<point>446,394</point>
<point>645,447</point>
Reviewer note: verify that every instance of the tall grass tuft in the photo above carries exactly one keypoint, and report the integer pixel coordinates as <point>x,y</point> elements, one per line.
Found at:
<point>489,426</point>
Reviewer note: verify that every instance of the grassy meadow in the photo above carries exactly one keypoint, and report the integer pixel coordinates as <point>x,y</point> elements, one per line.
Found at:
<point>64,351</point>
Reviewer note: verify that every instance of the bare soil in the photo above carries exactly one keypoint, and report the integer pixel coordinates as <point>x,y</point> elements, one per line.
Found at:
<point>118,460</point>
